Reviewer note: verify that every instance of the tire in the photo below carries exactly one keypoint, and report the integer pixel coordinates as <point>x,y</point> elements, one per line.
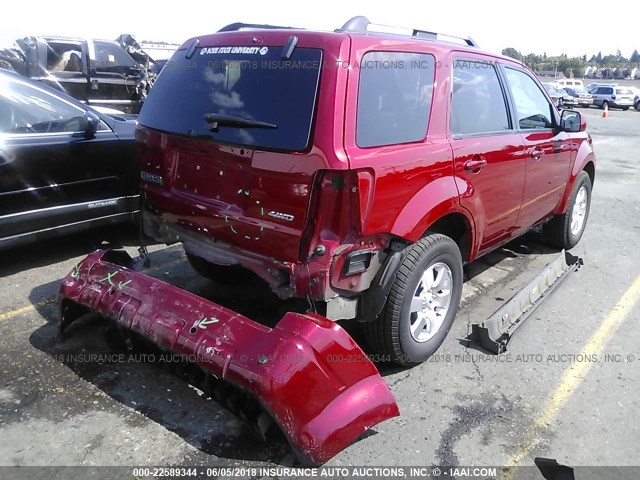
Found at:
<point>391,335</point>
<point>638,106</point>
<point>218,273</point>
<point>624,109</point>
<point>604,105</point>
<point>565,231</point>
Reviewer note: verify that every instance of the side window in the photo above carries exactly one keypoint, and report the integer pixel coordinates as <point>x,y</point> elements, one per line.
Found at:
<point>477,105</point>
<point>109,56</point>
<point>532,107</point>
<point>394,98</point>
<point>24,109</point>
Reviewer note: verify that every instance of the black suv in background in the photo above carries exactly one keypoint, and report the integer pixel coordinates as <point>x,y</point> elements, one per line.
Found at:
<point>64,167</point>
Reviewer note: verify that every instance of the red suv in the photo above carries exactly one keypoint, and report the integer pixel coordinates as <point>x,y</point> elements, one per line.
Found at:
<point>359,170</point>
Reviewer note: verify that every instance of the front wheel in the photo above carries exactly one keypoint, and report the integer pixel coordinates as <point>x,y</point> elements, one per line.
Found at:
<point>422,304</point>
<point>565,231</point>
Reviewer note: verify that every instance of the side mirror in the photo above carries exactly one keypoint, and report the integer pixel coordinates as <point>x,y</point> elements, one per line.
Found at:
<point>90,124</point>
<point>572,121</point>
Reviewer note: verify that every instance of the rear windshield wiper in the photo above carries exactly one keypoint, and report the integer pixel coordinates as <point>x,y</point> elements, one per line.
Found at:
<point>217,119</point>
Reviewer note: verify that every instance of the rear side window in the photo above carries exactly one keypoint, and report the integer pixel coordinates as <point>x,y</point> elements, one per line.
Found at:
<point>110,56</point>
<point>258,99</point>
<point>624,91</point>
<point>477,105</point>
<point>532,107</point>
<point>394,98</point>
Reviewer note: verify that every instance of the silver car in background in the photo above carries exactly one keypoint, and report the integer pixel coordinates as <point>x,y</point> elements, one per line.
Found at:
<point>612,96</point>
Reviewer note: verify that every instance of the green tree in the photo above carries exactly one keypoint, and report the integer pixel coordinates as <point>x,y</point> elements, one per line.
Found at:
<point>513,53</point>
<point>635,57</point>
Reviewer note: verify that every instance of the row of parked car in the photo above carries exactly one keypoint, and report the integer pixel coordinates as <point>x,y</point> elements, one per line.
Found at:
<point>571,93</point>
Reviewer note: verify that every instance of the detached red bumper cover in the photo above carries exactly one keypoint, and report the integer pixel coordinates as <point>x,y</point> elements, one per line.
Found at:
<point>307,372</point>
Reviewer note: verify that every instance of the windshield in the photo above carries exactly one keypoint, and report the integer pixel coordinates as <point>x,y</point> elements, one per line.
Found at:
<point>251,84</point>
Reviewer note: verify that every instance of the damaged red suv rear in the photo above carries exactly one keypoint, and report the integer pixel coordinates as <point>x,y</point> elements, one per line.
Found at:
<point>356,169</point>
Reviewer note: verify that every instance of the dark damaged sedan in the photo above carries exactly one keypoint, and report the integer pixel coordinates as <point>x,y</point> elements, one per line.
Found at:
<point>64,167</point>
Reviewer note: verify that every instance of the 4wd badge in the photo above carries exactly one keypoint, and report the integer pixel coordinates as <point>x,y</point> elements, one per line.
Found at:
<point>281,216</point>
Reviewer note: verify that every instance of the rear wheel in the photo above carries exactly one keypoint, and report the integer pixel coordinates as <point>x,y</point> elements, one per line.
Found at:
<point>218,273</point>
<point>605,104</point>
<point>422,304</point>
<point>565,231</point>
<point>624,109</point>
<point>638,106</point>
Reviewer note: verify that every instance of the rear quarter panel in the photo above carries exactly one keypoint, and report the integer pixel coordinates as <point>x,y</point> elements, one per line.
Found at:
<point>414,182</point>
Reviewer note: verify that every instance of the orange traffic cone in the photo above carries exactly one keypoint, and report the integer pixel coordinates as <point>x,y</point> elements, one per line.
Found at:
<point>605,111</point>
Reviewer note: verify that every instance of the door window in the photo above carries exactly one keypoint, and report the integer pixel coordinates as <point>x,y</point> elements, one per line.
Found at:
<point>24,109</point>
<point>478,104</point>
<point>533,110</point>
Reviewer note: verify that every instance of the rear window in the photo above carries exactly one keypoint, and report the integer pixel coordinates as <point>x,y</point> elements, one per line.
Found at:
<point>272,99</point>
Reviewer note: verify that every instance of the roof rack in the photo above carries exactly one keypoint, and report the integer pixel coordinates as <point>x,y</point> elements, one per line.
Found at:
<point>234,27</point>
<point>362,24</point>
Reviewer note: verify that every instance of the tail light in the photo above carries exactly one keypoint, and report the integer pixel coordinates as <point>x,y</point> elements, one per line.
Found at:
<point>151,153</point>
<point>339,208</point>
<point>613,97</point>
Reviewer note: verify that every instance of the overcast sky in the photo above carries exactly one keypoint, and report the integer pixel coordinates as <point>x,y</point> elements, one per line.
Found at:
<point>552,27</point>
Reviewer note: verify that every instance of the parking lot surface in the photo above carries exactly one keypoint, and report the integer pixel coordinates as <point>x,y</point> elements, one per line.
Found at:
<point>567,389</point>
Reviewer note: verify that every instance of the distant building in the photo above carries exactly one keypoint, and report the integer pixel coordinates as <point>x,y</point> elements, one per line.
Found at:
<point>551,73</point>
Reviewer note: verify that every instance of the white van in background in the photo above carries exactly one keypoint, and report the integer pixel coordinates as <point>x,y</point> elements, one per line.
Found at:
<point>568,82</point>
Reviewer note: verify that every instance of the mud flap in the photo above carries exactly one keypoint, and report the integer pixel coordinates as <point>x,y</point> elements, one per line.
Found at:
<point>495,332</point>
<point>307,373</point>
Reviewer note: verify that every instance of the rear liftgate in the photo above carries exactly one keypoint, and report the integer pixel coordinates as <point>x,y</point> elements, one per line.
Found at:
<point>494,333</point>
<point>294,373</point>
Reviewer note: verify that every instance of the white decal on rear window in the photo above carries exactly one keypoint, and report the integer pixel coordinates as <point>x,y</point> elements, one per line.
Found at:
<point>240,50</point>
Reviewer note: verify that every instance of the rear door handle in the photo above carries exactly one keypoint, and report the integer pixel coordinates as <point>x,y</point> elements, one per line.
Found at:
<point>475,165</point>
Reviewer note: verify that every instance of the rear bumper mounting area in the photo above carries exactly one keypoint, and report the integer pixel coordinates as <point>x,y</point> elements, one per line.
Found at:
<point>296,371</point>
